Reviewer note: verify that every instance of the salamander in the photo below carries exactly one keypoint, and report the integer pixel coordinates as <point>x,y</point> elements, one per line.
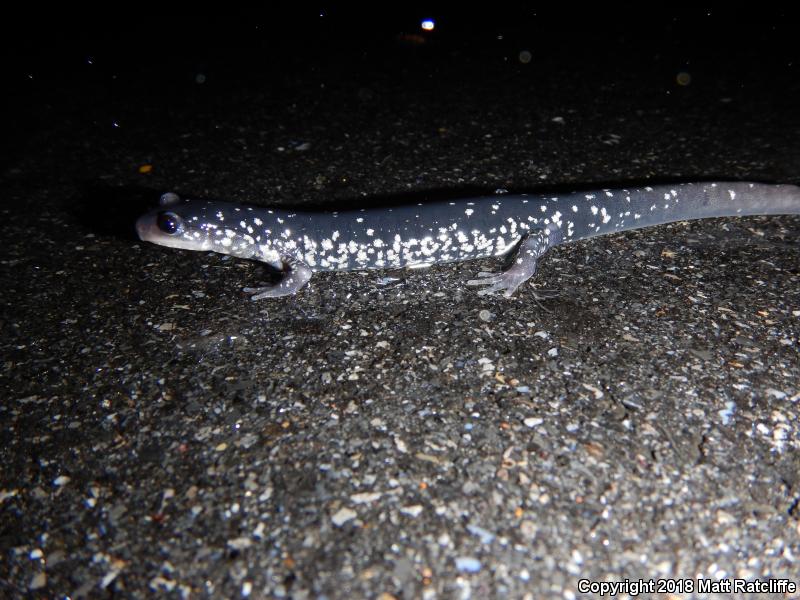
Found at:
<point>522,227</point>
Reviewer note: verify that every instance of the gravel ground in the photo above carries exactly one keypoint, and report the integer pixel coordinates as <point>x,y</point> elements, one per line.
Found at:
<point>163,435</point>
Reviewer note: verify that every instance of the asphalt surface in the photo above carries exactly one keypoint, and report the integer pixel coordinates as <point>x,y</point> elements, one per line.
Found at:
<point>164,436</point>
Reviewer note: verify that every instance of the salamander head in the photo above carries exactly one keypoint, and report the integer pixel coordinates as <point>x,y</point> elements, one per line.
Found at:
<point>199,225</point>
<point>175,224</point>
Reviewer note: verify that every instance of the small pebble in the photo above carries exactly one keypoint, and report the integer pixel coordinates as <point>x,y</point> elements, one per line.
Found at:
<point>726,413</point>
<point>468,564</point>
<point>412,511</point>
<point>39,581</point>
<point>486,536</point>
<point>365,497</point>
<point>343,515</point>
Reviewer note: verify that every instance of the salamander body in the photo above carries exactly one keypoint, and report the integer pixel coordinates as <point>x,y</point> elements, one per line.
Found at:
<point>301,243</point>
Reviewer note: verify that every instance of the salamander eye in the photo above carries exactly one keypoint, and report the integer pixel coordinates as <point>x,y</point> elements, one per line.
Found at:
<point>169,223</point>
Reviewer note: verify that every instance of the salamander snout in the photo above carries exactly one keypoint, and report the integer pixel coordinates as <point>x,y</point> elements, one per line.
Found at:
<point>144,224</point>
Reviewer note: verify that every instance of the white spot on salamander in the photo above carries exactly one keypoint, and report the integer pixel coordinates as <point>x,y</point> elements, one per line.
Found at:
<point>468,212</point>
<point>594,209</point>
<point>606,216</point>
<point>370,231</point>
<point>257,221</point>
<point>732,193</point>
<point>574,208</point>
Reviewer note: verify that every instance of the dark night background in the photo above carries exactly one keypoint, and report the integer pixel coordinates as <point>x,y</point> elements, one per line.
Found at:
<point>161,433</point>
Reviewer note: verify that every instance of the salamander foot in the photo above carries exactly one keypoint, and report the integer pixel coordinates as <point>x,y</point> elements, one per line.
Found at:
<point>522,268</point>
<point>296,276</point>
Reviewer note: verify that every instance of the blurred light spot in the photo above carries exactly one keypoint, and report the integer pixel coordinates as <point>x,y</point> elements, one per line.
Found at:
<point>115,124</point>
<point>89,60</point>
<point>525,57</point>
<point>200,78</point>
<point>411,39</point>
<point>428,24</point>
<point>683,78</point>
<point>145,169</point>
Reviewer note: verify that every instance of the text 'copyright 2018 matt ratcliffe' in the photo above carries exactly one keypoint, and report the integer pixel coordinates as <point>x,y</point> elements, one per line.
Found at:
<point>637,587</point>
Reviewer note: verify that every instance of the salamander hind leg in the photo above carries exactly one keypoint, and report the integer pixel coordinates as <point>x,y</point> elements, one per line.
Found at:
<point>523,266</point>
<point>295,277</point>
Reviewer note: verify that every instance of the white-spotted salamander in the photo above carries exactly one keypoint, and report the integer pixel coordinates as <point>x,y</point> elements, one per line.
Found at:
<point>419,235</point>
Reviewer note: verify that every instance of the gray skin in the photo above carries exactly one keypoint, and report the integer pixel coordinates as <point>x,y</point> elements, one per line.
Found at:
<point>419,235</point>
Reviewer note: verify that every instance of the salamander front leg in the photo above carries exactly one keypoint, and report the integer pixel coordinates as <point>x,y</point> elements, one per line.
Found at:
<point>522,267</point>
<point>296,275</point>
